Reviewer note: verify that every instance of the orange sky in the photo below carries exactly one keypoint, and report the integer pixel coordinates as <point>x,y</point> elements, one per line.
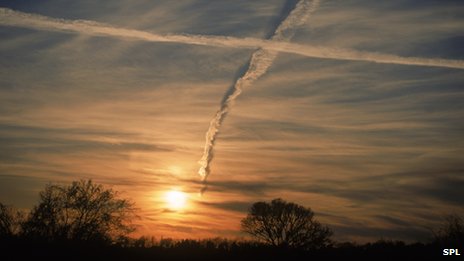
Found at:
<point>376,150</point>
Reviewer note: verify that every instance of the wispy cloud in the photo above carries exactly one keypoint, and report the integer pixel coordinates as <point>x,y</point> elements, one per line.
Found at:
<point>259,63</point>
<point>371,148</point>
<point>20,19</point>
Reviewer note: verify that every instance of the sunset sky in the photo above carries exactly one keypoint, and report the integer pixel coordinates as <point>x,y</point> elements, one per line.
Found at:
<point>375,149</point>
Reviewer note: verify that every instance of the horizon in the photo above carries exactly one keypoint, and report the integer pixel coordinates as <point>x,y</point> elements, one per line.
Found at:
<point>352,110</point>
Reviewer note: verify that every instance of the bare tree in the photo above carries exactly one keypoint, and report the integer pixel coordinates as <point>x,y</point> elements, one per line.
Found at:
<point>10,221</point>
<point>82,211</point>
<point>451,232</point>
<point>282,223</point>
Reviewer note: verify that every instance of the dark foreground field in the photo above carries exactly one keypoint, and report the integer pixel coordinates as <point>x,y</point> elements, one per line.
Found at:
<point>208,250</point>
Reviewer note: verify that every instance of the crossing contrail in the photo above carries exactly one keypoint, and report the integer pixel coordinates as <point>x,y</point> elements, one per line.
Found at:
<point>10,17</point>
<point>258,65</point>
<point>261,59</point>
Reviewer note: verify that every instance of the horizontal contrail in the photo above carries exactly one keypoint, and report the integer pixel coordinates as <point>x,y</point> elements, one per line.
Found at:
<point>10,17</point>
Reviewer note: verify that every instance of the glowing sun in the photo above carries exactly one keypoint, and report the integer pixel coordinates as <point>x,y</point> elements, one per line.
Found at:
<point>175,199</point>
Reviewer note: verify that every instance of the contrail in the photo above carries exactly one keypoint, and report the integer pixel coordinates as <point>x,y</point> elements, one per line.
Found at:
<point>10,17</point>
<point>259,63</point>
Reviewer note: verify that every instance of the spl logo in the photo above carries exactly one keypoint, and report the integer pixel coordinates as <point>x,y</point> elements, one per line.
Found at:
<point>451,252</point>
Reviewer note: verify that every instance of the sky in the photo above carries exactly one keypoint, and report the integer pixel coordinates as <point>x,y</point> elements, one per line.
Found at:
<point>376,150</point>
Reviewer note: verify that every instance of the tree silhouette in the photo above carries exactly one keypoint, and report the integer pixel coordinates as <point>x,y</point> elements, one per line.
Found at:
<point>451,232</point>
<point>282,223</point>
<point>83,211</point>
<point>10,221</point>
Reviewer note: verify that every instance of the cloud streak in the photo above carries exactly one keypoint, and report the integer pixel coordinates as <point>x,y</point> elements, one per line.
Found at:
<point>259,63</point>
<point>10,17</point>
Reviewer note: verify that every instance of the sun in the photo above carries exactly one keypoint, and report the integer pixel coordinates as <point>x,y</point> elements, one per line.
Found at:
<point>175,199</point>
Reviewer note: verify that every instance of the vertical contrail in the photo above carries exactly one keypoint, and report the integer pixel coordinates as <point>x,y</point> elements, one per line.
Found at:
<point>259,63</point>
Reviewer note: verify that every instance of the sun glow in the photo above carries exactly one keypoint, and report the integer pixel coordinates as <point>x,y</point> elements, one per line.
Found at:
<point>175,199</point>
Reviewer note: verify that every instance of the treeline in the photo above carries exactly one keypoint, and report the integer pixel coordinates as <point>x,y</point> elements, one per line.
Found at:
<point>205,249</point>
<point>85,220</point>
